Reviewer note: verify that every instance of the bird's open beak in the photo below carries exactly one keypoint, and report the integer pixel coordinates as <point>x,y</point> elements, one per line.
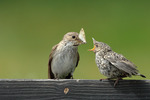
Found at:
<point>92,48</point>
<point>93,40</point>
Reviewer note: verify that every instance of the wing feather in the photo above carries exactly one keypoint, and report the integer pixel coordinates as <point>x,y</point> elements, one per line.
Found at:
<point>121,63</point>
<point>50,73</point>
<point>78,58</point>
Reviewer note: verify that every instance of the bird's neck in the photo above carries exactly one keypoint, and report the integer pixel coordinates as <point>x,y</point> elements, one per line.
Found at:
<point>64,45</point>
<point>100,53</point>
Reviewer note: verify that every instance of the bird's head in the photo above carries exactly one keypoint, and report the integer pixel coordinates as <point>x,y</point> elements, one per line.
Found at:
<point>100,46</point>
<point>72,38</point>
<point>75,39</point>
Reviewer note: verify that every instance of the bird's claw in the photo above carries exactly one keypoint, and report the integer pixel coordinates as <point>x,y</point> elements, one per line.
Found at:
<point>104,79</point>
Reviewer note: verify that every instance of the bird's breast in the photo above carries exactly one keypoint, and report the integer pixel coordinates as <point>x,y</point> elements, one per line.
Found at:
<point>103,65</point>
<point>101,61</point>
<point>64,62</point>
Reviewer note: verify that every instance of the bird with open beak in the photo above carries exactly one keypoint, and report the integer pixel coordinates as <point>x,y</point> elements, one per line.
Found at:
<point>112,64</point>
<point>64,56</point>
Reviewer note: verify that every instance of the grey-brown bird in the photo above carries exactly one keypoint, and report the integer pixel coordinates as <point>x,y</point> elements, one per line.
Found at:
<point>64,56</point>
<point>112,64</point>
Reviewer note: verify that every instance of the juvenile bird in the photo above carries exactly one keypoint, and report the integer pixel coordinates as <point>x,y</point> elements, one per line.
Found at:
<point>112,64</point>
<point>64,56</point>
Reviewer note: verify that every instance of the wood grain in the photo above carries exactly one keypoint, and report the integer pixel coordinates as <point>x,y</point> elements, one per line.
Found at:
<point>48,89</point>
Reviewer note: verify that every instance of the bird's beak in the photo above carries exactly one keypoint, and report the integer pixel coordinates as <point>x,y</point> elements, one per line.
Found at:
<point>79,41</point>
<point>93,40</point>
<point>93,49</point>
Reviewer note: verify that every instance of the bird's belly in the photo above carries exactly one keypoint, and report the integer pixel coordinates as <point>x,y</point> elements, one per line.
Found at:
<point>106,68</point>
<point>105,71</point>
<point>62,65</point>
<point>110,71</point>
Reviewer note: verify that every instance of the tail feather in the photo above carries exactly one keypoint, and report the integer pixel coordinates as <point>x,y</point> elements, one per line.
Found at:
<point>142,76</point>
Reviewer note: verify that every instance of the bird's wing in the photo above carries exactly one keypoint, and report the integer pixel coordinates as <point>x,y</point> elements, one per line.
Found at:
<point>78,58</point>
<point>121,63</point>
<point>50,73</point>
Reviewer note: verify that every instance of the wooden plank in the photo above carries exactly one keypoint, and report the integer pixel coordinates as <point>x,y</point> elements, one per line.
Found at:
<point>46,89</point>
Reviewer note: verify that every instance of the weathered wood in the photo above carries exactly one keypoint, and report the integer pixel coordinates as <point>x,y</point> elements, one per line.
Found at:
<point>46,89</point>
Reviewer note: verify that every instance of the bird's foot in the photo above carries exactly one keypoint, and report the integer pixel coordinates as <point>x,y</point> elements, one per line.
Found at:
<point>105,79</point>
<point>72,77</point>
<point>117,81</point>
<point>56,79</point>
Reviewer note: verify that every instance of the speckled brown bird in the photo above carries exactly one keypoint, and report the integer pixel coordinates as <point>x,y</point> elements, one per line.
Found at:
<point>64,56</point>
<point>112,64</point>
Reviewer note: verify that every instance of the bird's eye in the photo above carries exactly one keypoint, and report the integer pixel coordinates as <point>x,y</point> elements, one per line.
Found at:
<point>96,45</point>
<point>73,37</point>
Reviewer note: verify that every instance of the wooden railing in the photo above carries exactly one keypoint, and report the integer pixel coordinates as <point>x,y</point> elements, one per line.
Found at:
<point>47,89</point>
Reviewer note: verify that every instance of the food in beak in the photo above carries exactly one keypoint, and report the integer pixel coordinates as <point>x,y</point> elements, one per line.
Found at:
<point>82,35</point>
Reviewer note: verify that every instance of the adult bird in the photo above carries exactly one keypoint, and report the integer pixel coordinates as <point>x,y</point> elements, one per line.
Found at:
<point>64,56</point>
<point>112,64</point>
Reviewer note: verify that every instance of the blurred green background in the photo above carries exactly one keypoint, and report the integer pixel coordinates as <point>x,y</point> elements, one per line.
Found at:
<point>29,29</point>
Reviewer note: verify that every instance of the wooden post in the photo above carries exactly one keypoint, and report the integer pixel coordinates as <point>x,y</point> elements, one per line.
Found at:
<point>47,89</point>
